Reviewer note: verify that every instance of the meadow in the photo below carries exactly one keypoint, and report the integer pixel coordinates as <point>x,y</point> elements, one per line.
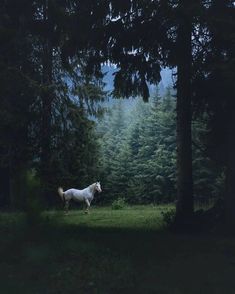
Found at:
<point>111,251</point>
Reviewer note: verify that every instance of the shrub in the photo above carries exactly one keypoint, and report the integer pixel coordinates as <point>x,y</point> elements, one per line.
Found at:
<point>33,207</point>
<point>119,203</point>
<point>168,217</point>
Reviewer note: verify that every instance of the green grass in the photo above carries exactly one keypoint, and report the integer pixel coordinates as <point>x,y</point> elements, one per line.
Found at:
<point>111,251</point>
<point>132,218</point>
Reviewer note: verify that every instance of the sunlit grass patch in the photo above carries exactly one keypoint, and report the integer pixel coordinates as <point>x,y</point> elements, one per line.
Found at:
<point>132,217</point>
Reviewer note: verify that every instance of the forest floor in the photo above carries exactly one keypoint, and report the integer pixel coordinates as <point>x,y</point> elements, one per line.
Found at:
<point>111,251</point>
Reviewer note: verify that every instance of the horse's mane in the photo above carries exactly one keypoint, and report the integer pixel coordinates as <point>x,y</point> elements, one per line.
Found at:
<point>92,186</point>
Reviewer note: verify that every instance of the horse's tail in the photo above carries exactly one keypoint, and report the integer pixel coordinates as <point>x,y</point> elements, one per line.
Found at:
<point>61,193</point>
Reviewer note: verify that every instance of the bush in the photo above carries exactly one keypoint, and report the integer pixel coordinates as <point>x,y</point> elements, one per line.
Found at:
<point>33,207</point>
<point>119,203</point>
<point>168,217</point>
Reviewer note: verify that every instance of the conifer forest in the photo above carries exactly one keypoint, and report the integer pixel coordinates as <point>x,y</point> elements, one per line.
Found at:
<point>137,95</point>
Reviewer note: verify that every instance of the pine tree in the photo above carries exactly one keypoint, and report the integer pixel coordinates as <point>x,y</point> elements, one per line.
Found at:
<point>111,149</point>
<point>142,170</point>
<point>32,59</point>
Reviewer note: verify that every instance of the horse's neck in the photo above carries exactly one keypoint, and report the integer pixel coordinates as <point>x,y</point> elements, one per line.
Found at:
<point>92,188</point>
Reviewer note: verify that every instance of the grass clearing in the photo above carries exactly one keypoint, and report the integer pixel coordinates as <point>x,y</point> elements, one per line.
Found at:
<point>130,217</point>
<point>111,251</point>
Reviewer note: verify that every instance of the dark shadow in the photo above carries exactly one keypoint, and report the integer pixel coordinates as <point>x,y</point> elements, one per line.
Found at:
<point>53,257</point>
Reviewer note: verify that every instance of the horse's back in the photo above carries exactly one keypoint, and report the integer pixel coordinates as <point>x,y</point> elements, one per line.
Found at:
<point>78,195</point>
<point>69,194</point>
<point>74,194</point>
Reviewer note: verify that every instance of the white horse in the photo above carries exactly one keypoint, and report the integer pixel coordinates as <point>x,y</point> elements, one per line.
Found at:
<point>86,195</point>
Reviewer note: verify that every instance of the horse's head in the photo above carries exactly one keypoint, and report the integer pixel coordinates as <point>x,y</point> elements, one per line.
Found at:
<point>98,187</point>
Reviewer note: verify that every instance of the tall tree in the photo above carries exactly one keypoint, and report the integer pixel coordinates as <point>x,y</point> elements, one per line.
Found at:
<point>48,93</point>
<point>214,88</point>
<point>171,26</point>
<point>18,93</point>
<point>184,207</point>
<point>34,35</point>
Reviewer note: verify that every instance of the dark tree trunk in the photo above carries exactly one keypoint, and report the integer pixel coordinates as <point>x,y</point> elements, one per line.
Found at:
<point>230,171</point>
<point>184,207</point>
<point>5,187</point>
<point>47,98</point>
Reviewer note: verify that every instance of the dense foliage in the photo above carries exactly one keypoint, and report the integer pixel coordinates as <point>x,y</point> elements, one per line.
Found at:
<point>138,153</point>
<point>50,67</point>
<point>44,102</point>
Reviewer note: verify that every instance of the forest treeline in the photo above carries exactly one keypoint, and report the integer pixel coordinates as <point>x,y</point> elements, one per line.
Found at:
<point>51,58</point>
<point>137,147</point>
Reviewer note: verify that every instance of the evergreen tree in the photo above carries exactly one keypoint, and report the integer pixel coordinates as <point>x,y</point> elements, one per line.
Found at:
<point>140,169</point>
<point>214,88</point>
<point>19,92</point>
<point>157,152</point>
<point>111,142</point>
<point>35,86</point>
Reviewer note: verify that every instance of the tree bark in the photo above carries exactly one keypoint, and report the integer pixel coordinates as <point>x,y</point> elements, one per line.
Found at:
<point>230,170</point>
<point>47,98</point>
<point>184,207</point>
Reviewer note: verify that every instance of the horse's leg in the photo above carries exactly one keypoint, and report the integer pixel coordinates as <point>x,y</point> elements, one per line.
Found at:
<point>66,207</point>
<point>88,205</point>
